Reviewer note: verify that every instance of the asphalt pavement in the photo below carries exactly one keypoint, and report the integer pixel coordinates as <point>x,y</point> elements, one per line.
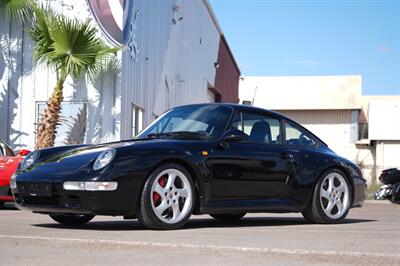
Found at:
<point>370,236</point>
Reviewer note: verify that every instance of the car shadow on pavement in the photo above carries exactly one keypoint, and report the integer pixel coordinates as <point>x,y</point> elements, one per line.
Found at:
<point>8,207</point>
<point>197,223</point>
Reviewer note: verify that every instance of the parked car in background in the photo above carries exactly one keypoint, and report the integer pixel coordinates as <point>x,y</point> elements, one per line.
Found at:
<point>9,162</point>
<point>220,159</point>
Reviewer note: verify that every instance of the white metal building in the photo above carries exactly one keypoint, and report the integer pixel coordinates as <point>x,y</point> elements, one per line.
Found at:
<point>173,52</point>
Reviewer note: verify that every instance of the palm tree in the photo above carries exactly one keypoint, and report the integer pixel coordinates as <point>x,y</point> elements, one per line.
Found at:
<point>72,48</point>
<point>17,10</point>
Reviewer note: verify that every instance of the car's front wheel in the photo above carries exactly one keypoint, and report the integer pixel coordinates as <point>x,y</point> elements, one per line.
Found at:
<point>72,219</point>
<point>331,199</point>
<point>167,198</point>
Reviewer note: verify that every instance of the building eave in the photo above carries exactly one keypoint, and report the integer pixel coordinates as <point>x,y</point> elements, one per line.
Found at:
<point>221,33</point>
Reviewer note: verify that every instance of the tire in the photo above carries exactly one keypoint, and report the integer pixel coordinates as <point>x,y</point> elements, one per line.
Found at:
<point>72,219</point>
<point>1,204</point>
<point>228,217</point>
<point>331,199</point>
<point>167,199</point>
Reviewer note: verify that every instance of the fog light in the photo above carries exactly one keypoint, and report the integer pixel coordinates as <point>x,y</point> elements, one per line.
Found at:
<point>13,182</point>
<point>91,186</point>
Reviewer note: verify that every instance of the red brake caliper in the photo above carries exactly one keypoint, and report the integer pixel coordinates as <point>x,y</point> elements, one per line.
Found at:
<point>156,196</point>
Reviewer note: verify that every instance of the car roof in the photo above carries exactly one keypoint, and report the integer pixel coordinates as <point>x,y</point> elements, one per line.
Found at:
<point>236,106</point>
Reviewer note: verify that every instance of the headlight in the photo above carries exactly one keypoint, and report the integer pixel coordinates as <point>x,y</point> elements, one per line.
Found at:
<point>104,159</point>
<point>29,160</point>
<point>90,186</point>
<point>13,183</point>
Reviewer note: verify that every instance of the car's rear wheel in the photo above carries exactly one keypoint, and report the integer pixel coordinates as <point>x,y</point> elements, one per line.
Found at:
<point>72,219</point>
<point>228,217</point>
<point>331,199</point>
<point>167,198</point>
<point>2,204</point>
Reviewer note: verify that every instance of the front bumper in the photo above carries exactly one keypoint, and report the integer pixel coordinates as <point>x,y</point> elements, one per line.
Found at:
<point>360,189</point>
<point>5,194</point>
<point>50,197</point>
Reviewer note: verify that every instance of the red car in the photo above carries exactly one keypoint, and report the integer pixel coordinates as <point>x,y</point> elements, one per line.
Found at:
<point>8,164</point>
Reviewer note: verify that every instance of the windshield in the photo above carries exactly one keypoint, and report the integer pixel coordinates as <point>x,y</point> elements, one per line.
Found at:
<point>205,120</point>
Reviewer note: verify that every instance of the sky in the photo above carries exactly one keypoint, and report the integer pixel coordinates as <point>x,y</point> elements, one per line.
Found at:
<point>316,37</point>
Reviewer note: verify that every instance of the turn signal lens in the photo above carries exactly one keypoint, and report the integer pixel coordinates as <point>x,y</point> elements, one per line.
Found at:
<point>13,182</point>
<point>90,186</point>
<point>104,186</point>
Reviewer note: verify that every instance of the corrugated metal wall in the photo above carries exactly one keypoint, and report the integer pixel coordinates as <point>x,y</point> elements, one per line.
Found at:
<point>228,73</point>
<point>23,85</point>
<point>178,46</point>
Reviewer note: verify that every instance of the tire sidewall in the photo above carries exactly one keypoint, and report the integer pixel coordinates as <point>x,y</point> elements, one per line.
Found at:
<point>146,214</point>
<point>70,219</point>
<point>317,201</point>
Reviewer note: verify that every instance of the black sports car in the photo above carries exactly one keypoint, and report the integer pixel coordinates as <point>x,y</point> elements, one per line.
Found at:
<point>220,159</point>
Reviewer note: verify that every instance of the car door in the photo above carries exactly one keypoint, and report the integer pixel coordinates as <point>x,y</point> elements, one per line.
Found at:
<point>255,168</point>
<point>302,147</point>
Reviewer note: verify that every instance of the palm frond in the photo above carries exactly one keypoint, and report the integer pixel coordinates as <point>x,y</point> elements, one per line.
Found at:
<point>71,46</point>
<point>17,10</point>
<point>40,32</point>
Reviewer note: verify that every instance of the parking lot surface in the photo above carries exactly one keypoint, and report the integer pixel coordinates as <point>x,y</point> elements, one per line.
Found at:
<point>369,236</point>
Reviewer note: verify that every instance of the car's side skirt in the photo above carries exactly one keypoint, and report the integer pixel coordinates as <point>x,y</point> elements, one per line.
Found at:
<point>252,205</point>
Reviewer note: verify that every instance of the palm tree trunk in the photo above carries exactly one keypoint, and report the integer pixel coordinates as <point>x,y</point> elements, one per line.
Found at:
<point>50,119</point>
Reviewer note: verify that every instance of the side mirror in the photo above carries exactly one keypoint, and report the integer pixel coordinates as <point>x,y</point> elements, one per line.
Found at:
<point>234,135</point>
<point>23,152</point>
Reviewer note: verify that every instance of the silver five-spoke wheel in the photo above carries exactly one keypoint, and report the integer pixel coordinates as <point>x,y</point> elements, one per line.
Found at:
<point>168,198</point>
<point>334,195</point>
<point>171,196</point>
<point>331,200</point>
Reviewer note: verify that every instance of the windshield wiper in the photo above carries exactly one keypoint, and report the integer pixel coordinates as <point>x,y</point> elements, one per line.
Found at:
<point>184,134</point>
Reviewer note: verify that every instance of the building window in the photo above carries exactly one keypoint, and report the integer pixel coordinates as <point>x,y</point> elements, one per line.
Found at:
<point>137,119</point>
<point>73,118</point>
<point>363,131</point>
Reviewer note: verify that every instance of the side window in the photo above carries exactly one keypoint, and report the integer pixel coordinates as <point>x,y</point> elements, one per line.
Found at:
<point>297,136</point>
<point>259,128</point>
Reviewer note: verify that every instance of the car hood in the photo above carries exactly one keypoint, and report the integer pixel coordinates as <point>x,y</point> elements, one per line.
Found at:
<point>73,159</point>
<point>80,156</point>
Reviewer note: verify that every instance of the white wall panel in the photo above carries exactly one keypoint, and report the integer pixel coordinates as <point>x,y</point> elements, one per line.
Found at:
<point>23,84</point>
<point>178,46</point>
<point>384,120</point>
<point>305,92</point>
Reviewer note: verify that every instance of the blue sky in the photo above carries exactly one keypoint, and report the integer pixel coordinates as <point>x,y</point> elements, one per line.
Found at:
<point>320,37</point>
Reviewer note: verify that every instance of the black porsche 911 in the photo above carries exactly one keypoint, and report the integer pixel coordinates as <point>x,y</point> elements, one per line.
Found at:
<point>225,160</point>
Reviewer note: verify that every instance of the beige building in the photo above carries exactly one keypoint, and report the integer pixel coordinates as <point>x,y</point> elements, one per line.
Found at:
<point>360,128</point>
